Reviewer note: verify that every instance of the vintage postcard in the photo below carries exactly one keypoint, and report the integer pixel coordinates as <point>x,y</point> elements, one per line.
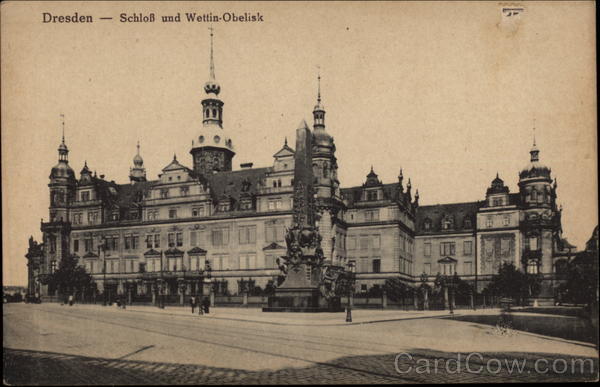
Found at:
<point>299,192</point>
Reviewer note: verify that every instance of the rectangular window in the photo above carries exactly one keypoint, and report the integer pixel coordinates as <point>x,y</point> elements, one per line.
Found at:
<point>135,242</point>
<point>504,246</point>
<point>364,242</point>
<point>220,237</point>
<point>193,238</point>
<point>376,240</point>
<point>468,268</point>
<point>427,249</point>
<point>270,262</point>
<point>171,239</point>
<point>247,235</point>
<point>172,213</point>
<point>179,239</point>
<point>184,191</point>
<point>506,220</point>
<point>87,244</point>
<point>164,193</point>
<point>127,241</point>
<point>156,240</point>
<point>364,265</point>
<point>198,211</point>
<point>149,239</point>
<point>377,265</point>
<point>489,222</point>
<point>468,247</point>
<point>76,245</point>
<point>274,233</point>
<point>447,248</point>
<point>352,243</point>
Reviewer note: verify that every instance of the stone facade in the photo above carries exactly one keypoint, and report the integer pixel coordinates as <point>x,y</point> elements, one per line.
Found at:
<point>188,220</point>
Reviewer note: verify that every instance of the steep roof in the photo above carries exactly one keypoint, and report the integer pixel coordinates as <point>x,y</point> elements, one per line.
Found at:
<point>131,194</point>
<point>352,195</point>
<point>231,183</point>
<point>457,211</point>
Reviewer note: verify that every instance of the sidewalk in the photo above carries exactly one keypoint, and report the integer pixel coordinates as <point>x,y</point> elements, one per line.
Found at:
<point>359,316</point>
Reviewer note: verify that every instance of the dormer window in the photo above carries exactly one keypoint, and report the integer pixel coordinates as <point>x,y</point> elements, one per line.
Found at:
<point>447,223</point>
<point>427,224</point>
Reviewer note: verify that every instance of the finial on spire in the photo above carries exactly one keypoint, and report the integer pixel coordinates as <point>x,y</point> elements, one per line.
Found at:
<point>319,85</point>
<point>62,116</point>
<point>285,141</point>
<point>138,147</point>
<point>174,157</point>
<point>212,62</point>
<point>534,131</point>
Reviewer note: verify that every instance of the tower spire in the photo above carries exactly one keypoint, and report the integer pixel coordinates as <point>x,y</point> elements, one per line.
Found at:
<point>62,116</point>
<point>63,151</point>
<point>212,61</point>
<point>319,110</point>
<point>535,152</point>
<point>319,86</point>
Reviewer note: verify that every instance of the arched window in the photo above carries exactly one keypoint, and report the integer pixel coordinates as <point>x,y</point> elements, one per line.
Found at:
<point>279,183</point>
<point>533,195</point>
<point>214,113</point>
<point>274,184</point>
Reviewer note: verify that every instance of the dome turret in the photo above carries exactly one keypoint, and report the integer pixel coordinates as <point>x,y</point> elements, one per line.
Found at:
<point>535,169</point>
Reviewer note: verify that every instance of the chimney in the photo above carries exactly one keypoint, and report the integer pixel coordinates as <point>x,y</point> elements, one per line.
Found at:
<point>246,165</point>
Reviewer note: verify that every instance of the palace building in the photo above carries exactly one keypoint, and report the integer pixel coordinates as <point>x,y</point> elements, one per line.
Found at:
<point>209,217</point>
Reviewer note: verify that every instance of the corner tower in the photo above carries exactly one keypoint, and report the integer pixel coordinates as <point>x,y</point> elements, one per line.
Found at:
<point>540,220</point>
<point>212,150</point>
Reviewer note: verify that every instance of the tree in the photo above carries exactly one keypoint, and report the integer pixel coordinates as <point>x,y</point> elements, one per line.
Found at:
<point>396,289</point>
<point>70,277</point>
<point>513,283</point>
<point>581,284</point>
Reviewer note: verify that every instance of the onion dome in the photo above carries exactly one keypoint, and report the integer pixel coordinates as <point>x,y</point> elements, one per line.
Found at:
<point>322,138</point>
<point>535,169</point>
<point>62,169</point>
<point>137,159</point>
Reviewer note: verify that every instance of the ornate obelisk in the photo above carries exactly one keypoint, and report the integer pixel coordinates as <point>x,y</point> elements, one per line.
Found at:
<point>302,266</point>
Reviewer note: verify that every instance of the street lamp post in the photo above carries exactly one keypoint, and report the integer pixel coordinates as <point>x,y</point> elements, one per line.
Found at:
<point>161,285</point>
<point>350,289</point>
<point>101,246</point>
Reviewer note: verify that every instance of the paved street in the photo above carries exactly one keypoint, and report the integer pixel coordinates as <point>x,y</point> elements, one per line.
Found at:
<point>88,344</point>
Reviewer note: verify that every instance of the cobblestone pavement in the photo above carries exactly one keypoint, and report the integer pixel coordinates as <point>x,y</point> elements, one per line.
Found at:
<point>47,368</point>
<point>53,345</point>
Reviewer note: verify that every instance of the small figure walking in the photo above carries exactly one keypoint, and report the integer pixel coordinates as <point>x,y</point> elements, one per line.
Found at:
<point>206,305</point>
<point>70,300</point>
<point>193,303</point>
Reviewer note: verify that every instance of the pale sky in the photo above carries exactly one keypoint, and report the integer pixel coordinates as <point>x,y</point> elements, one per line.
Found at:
<point>447,91</point>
